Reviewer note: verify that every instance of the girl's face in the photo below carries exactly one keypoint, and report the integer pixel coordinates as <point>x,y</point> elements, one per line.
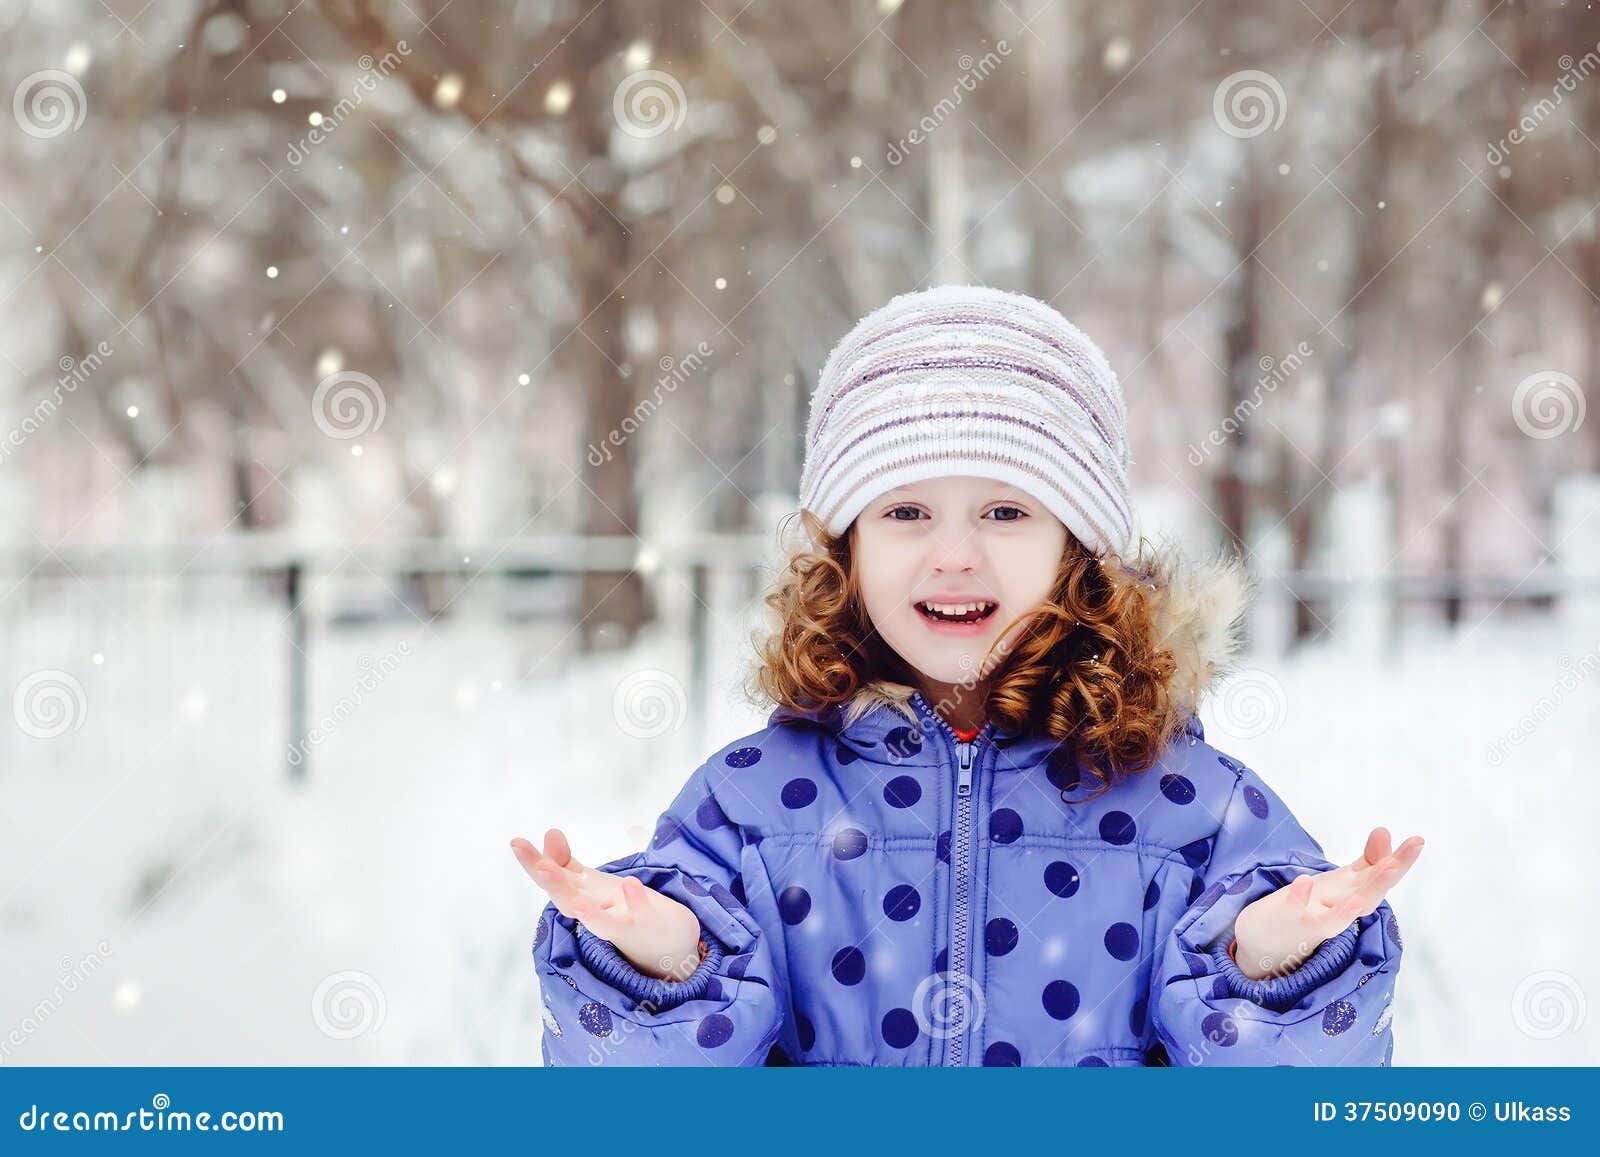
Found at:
<point>952,542</point>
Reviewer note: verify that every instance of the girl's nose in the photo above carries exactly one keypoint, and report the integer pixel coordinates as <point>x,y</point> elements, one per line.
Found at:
<point>956,550</point>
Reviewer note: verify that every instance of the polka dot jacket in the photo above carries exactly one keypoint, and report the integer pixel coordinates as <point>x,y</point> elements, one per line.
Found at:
<point>884,893</point>
<point>892,893</point>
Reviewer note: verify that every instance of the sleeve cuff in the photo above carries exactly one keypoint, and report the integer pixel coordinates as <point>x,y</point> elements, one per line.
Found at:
<point>653,993</point>
<point>1282,993</point>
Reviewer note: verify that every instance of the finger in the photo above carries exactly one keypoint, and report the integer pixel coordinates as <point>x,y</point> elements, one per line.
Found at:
<point>527,855</point>
<point>1300,890</point>
<point>1399,862</point>
<point>559,858</point>
<point>591,880</point>
<point>1377,848</point>
<point>1390,872</point>
<point>531,858</point>
<point>558,884</point>
<point>633,893</point>
<point>559,850</point>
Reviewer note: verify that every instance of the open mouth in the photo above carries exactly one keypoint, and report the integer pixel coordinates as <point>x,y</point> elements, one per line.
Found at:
<point>975,612</point>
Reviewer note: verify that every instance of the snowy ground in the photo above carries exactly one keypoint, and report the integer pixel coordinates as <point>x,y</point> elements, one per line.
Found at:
<point>156,861</point>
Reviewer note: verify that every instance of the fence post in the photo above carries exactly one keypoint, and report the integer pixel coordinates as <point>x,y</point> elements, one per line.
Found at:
<point>296,667</point>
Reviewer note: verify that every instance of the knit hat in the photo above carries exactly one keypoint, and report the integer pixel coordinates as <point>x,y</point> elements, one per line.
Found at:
<point>965,379</point>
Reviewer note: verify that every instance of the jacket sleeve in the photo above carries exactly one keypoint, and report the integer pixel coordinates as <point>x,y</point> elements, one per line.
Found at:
<point>599,1009</point>
<point>1332,1010</point>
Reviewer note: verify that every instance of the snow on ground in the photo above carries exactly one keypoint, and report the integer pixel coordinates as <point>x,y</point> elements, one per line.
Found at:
<point>157,861</point>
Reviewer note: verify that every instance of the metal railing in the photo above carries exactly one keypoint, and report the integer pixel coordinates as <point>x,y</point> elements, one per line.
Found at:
<point>295,570</point>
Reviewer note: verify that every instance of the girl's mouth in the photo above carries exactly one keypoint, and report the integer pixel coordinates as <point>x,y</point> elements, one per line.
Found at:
<point>957,618</point>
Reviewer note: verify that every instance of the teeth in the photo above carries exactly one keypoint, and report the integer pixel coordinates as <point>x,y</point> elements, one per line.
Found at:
<point>955,608</point>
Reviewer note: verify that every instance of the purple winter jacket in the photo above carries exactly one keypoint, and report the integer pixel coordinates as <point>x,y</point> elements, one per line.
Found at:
<point>881,893</point>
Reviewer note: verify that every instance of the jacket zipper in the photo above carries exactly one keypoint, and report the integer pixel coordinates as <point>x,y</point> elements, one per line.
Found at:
<point>961,863</point>
<point>961,870</point>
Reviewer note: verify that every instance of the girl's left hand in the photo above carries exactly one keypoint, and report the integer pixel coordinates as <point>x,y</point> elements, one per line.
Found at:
<point>1280,931</point>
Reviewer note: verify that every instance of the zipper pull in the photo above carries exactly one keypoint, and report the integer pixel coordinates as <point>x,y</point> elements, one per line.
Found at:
<point>964,782</point>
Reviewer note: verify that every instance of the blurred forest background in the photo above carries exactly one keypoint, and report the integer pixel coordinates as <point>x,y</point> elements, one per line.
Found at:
<point>343,334</point>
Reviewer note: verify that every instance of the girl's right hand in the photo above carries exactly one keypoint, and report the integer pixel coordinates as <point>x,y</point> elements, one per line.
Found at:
<point>658,935</point>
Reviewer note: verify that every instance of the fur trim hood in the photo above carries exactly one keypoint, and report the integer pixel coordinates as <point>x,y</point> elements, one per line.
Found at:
<point>1198,606</point>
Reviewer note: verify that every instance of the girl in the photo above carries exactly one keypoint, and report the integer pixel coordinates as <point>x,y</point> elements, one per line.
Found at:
<point>982,825</point>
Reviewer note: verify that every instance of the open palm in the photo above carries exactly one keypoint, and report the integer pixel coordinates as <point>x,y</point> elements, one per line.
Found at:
<point>656,933</point>
<point>1277,932</point>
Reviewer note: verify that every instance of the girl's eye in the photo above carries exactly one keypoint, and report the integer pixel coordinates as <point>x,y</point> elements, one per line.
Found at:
<point>913,514</point>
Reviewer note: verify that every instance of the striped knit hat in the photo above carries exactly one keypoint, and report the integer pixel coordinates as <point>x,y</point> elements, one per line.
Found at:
<point>965,379</point>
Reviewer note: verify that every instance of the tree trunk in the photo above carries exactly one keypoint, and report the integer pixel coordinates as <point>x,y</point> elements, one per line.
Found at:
<point>612,606</point>
<point>1239,343</point>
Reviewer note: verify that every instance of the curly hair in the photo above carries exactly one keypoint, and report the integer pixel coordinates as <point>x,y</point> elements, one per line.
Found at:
<point>1086,668</point>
